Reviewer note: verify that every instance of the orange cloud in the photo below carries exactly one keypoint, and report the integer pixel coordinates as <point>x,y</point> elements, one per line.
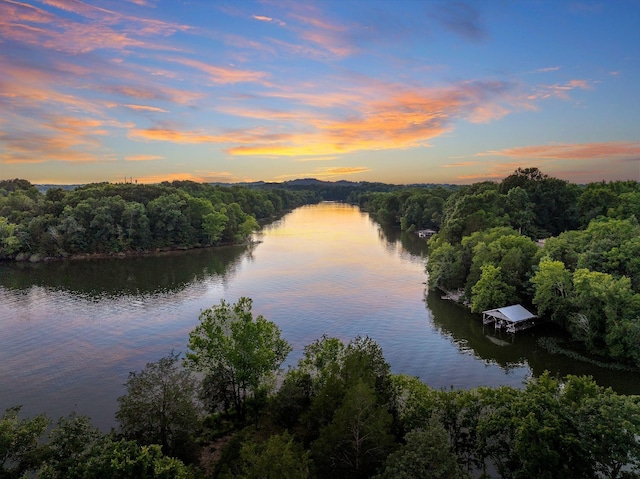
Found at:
<point>405,119</point>
<point>575,151</point>
<point>174,136</point>
<point>223,75</point>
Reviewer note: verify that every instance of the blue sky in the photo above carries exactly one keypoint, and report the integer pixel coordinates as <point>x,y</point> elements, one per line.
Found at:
<point>399,92</point>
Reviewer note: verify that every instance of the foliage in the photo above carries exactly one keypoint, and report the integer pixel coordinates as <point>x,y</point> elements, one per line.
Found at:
<point>20,449</point>
<point>115,218</point>
<point>236,352</point>
<point>370,423</point>
<point>160,407</point>
<point>426,453</point>
<point>358,437</point>
<point>586,278</point>
<point>492,290</point>
<point>280,456</point>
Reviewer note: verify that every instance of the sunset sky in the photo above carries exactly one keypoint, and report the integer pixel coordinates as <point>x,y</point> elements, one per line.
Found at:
<point>413,91</point>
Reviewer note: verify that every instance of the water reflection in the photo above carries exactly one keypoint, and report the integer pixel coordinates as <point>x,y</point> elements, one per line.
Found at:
<point>139,275</point>
<point>70,332</point>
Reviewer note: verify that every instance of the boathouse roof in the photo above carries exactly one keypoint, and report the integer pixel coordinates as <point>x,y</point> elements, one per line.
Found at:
<point>514,313</point>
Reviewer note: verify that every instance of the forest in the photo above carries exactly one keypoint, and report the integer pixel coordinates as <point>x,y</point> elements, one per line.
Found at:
<point>569,252</point>
<point>107,218</point>
<point>226,409</point>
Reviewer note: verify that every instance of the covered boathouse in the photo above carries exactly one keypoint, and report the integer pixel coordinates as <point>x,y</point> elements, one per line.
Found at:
<point>512,318</point>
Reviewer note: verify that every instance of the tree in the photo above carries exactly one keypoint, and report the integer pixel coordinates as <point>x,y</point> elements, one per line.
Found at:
<point>491,290</point>
<point>553,286</point>
<point>71,446</point>
<point>128,460</point>
<point>279,457</point>
<point>20,449</point>
<point>213,225</point>
<point>357,439</point>
<point>426,453</point>
<point>236,351</point>
<point>160,407</point>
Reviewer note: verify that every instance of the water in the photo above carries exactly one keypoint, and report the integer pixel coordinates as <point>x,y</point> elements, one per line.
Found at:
<point>70,332</point>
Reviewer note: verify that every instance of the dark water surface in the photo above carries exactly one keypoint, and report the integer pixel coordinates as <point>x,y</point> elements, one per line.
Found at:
<point>70,332</point>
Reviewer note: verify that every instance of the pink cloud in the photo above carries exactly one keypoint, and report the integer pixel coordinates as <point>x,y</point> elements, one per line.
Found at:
<point>569,151</point>
<point>223,75</point>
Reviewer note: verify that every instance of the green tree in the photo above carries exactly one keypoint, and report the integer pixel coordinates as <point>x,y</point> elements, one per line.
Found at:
<point>358,438</point>
<point>236,351</point>
<point>160,407</point>
<point>71,446</point>
<point>553,287</point>
<point>426,453</point>
<point>491,290</point>
<point>444,265</point>
<point>603,303</point>
<point>129,460</point>
<point>279,457</point>
<point>213,225</point>
<point>20,448</point>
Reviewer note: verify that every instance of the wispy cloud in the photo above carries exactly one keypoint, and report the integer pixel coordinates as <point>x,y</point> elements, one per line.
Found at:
<point>263,18</point>
<point>223,75</point>
<point>154,109</point>
<point>143,158</point>
<point>558,90</point>
<point>571,151</point>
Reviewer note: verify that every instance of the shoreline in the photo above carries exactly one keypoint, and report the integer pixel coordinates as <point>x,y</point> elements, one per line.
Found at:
<point>37,258</point>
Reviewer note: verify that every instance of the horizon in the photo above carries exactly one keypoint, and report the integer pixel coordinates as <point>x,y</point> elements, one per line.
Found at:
<point>399,93</point>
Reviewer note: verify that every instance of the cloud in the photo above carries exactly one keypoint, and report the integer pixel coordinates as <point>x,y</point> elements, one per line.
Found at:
<point>174,136</point>
<point>224,75</point>
<point>143,158</point>
<point>547,69</point>
<point>571,151</point>
<point>558,90</point>
<point>98,28</point>
<point>404,119</point>
<point>154,109</point>
<point>263,18</point>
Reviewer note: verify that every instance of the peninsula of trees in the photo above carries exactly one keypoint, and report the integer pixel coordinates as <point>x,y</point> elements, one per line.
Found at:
<point>106,218</point>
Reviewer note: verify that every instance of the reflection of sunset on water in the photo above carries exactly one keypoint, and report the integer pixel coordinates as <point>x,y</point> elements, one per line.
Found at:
<point>71,332</point>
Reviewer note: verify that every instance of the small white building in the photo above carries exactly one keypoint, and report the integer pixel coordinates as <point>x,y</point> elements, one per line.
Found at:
<point>426,233</point>
<point>512,318</point>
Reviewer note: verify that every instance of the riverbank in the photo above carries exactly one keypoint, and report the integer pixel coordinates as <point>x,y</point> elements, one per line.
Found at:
<point>39,258</point>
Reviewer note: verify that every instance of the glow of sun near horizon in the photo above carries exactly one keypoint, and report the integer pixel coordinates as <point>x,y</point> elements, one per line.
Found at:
<point>398,92</point>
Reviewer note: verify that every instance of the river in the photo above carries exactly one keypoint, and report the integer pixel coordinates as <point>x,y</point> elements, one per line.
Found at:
<point>70,332</point>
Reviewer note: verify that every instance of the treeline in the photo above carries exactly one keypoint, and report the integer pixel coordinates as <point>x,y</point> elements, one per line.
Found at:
<point>120,218</point>
<point>340,413</point>
<point>585,275</point>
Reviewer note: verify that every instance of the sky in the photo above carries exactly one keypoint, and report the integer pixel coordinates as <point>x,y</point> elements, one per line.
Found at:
<point>403,91</point>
